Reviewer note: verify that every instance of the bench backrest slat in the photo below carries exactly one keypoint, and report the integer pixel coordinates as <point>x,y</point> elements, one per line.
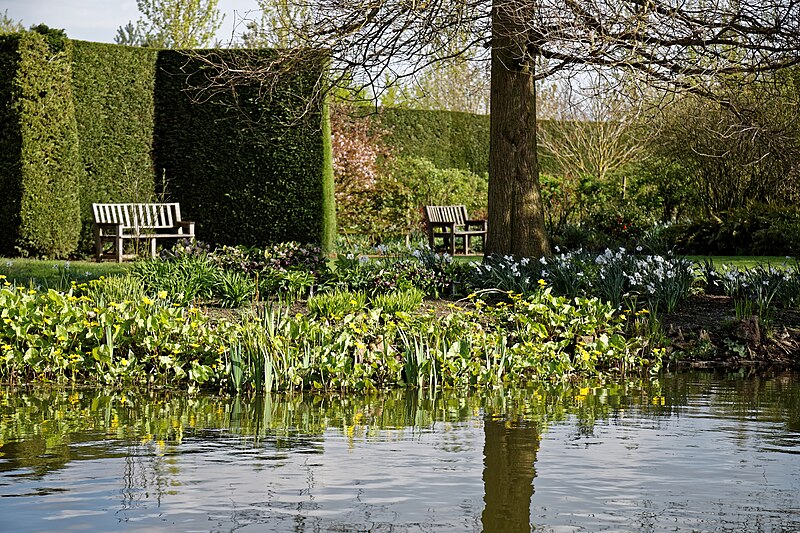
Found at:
<point>447,213</point>
<point>138,215</point>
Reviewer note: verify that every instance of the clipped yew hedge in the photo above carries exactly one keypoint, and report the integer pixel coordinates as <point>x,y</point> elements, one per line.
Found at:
<point>113,88</point>
<point>39,162</point>
<point>245,179</point>
<point>448,139</point>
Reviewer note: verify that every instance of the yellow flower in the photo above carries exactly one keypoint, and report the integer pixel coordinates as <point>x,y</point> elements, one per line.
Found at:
<point>147,301</point>
<point>542,282</point>
<point>162,294</point>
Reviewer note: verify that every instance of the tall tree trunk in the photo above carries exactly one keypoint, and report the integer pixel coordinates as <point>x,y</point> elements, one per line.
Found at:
<point>516,213</point>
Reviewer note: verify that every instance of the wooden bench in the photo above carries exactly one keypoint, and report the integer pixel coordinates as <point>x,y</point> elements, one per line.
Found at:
<point>451,222</point>
<point>117,223</point>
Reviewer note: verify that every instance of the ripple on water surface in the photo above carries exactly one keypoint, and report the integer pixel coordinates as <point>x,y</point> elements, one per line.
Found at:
<point>689,453</point>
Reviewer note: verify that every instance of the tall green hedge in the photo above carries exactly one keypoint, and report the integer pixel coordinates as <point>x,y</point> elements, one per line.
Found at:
<point>449,139</point>
<point>113,88</point>
<point>40,163</point>
<point>87,122</point>
<point>250,170</point>
<point>10,145</point>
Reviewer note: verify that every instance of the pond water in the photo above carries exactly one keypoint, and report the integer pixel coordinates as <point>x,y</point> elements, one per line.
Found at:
<point>702,451</point>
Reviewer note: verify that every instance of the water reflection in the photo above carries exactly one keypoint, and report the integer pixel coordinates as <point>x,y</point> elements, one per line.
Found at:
<point>509,459</point>
<point>627,456</point>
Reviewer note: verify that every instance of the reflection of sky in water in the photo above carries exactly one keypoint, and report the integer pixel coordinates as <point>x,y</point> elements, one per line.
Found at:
<point>697,472</point>
<point>704,456</point>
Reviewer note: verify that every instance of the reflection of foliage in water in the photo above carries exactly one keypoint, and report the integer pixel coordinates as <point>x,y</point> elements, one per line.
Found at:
<point>39,427</point>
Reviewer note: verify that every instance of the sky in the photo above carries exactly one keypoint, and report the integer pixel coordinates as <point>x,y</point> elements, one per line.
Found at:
<point>98,20</point>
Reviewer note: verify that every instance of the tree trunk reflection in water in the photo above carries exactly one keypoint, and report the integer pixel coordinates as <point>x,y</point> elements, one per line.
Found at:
<point>509,468</point>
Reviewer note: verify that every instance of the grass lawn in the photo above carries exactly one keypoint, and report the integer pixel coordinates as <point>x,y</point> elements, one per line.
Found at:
<point>59,274</point>
<point>55,274</point>
<point>731,260</point>
<point>742,260</point>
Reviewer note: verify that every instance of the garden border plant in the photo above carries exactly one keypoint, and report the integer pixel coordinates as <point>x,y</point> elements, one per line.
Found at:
<point>357,333</point>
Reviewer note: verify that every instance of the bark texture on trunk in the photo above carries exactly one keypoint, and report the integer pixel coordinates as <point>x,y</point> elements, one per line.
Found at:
<point>516,214</point>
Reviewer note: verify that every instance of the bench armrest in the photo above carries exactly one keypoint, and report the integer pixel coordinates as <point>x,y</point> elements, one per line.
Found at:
<point>101,227</point>
<point>479,224</point>
<point>451,226</point>
<point>187,225</point>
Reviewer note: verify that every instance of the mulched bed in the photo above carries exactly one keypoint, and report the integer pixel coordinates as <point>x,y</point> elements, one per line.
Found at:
<point>705,329</point>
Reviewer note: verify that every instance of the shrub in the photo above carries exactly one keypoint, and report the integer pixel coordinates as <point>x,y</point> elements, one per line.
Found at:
<point>429,185</point>
<point>435,275</point>
<point>759,230</point>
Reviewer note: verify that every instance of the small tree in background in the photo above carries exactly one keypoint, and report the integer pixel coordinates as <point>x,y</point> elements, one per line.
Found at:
<point>357,151</point>
<point>9,25</point>
<point>172,24</point>
<point>741,151</point>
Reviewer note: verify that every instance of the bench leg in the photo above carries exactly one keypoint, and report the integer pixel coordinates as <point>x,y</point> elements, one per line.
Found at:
<point>98,245</point>
<point>452,245</point>
<point>153,248</point>
<point>118,248</point>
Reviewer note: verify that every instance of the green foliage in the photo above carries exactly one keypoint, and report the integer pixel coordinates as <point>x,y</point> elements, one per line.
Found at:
<point>113,88</point>
<point>559,335</point>
<point>40,165</point>
<point>402,272</point>
<point>622,224</point>
<point>137,330</point>
<point>286,269</point>
<point>172,24</point>
<point>127,287</point>
<point>9,25</point>
<point>264,181</point>
<point>757,230</point>
<point>336,304</point>
<point>186,279</point>
<point>62,335</point>
<point>234,289</point>
<point>405,301</point>
<point>429,185</point>
<point>448,139</point>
